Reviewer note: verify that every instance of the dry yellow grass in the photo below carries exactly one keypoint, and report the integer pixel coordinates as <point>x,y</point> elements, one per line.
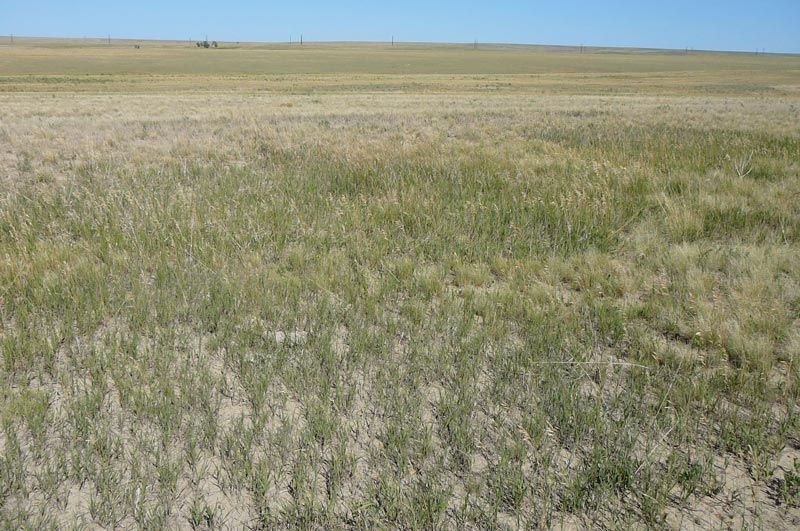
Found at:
<point>519,288</point>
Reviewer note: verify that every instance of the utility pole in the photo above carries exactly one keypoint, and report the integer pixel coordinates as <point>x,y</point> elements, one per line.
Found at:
<point>301,39</point>
<point>392,40</point>
<point>475,47</point>
<point>12,39</point>
<point>109,39</point>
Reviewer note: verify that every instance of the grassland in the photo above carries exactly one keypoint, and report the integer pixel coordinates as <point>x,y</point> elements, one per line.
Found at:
<point>421,287</point>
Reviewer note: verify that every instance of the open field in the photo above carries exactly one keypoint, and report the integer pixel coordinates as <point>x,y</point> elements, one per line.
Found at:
<point>421,287</point>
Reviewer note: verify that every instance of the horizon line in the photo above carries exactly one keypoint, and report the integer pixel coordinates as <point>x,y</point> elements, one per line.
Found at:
<point>399,41</point>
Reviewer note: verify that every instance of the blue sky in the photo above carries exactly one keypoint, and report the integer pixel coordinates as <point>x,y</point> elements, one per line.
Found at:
<point>773,25</point>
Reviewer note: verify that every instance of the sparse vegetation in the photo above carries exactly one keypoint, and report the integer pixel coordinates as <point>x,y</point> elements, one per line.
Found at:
<point>439,300</point>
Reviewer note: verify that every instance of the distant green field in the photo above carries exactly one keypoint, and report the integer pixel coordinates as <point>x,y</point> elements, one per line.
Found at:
<point>44,57</point>
<point>92,66</point>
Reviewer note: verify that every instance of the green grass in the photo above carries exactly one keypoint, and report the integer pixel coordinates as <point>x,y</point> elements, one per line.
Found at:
<point>89,65</point>
<point>461,311</point>
<point>31,56</point>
